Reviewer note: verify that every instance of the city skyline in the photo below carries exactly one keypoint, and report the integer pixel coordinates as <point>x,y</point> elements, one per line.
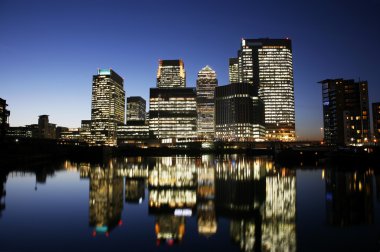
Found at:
<point>53,49</point>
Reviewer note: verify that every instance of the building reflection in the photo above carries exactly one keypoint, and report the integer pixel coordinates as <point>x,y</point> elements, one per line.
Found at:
<point>172,196</point>
<point>134,190</point>
<point>207,221</point>
<point>349,197</point>
<point>106,197</point>
<point>3,181</point>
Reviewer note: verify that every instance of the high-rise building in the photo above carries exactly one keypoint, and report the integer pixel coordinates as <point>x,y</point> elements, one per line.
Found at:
<point>173,113</point>
<point>233,70</point>
<point>206,84</point>
<point>345,111</point>
<point>4,116</point>
<point>136,108</point>
<point>376,120</point>
<point>239,113</point>
<point>171,74</point>
<point>172,106</point>
<point>107,108</point>
<point>268,64</point>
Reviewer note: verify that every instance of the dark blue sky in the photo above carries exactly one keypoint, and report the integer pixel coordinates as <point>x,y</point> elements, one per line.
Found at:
<point>49,50</point>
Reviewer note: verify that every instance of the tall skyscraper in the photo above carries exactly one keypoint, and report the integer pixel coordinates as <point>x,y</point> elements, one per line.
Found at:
<point>233,70</point>
<point>4,115</point>
<point>345,111</point>
<point>172,106</point>
<point>206,84</point>
<point>376,120</point>
<point>267,64</point>
<point>136,108</point>
<point>239,113</point>
<point>107,108</point>
<point>171,74</point>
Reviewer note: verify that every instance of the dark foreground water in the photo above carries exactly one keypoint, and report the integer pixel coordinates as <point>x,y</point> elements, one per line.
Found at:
<point>227,203</point>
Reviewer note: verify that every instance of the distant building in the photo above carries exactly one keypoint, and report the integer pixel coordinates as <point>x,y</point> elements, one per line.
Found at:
<point>85,131</point>
<point>233,70</point>
<point>376,120</point>
<point>71,135</point>
<point>206,83</point>
<point>268,65</point>
<point>173,113</point>
<point>133,132</point>
<point>45,129</point>
<point>136,108</point>
<point>107,108</point>
<point>4,116</point>
<point>20,132</point>
<point>345,111</point>
<point>171,74</point>
<point>239,113</point>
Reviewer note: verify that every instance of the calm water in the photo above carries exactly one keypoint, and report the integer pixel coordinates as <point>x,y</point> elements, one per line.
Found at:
<point>229,203</point>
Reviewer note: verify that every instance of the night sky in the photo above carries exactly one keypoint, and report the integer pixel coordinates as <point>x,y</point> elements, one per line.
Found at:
<point>49,50</point>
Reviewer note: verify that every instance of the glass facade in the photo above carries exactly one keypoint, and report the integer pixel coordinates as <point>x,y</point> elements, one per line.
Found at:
<point>107,108</point>
<point>233,70</point>
<point>345,112</point>
<point>239,113</point>
<point>268,64</point>
<point>173,113</point>
<point>206,84</point>
<point>136,108</point>
<point>171,74</point>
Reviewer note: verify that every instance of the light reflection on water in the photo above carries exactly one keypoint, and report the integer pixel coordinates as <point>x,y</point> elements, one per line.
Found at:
<point>229,202</point>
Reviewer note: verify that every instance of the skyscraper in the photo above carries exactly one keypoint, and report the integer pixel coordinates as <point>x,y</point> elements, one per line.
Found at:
<point>267,64</point>
<point>173,113</point>
<point>239,113</point>
<point>172,106</point>
<point>171,74</point>
<point>233,70</point>
<point>107,108</point>
<point>376,120</point>
<point>206,84</point>
<point>345,111</point>
<point>136,108</point>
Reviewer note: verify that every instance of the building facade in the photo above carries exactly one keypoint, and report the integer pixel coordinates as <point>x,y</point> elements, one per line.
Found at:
<point>135,131</point>
<point>206,83</point>
<point>107,108</point>
<point>136,108</point>
<point>239,113</point>
<point>345,112</point>
<point>268,64</point>
<point>4,117</point>
<point>171,74</point>
<point>173,113</point>
<point>233,70</point>
<point>376,121</point>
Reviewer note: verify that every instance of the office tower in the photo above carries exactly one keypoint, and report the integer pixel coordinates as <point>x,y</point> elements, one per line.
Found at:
<point>206,84</point>
<point>376,120</point>
<point>171,74</point>
<point>136,108</point>
<point>135,131</point>
<point>45,129</point>
<point>233,70</point>
<point>107,108</point>
<point>172,106</point>
<point>345,111</point>
<point>267,64</point>
<point>239,113</point>
<point>4,116</point>
<point>173,113</point>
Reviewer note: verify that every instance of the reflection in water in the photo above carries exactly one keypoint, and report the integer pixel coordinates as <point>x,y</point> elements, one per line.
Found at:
<point>134,190</point>
<point>3,180</point>
<point>349,197</point>
<point>106,198</point>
